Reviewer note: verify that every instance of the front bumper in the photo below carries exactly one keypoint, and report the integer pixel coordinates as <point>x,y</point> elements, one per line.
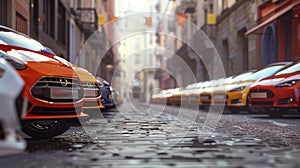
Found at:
<point>278,99</point>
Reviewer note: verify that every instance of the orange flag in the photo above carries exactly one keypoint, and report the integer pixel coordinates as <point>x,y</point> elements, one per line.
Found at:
<point>148,21</point>
<point>181,19</point>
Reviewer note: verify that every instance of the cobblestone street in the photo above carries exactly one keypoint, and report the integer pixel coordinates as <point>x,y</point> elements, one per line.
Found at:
<point>116,140</point>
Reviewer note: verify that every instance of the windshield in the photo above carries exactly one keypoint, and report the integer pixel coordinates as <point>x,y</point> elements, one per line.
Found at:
<point>14,39</point>
<point>291,69</point>
<point>266,72</point>
<point>240,77</point>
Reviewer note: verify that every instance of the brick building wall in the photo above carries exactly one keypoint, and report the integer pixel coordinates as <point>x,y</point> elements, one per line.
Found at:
<point>15,14</point>
<point>236,50</point>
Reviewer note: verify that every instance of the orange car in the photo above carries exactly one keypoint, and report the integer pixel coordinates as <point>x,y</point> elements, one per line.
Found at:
<point>52,90</point>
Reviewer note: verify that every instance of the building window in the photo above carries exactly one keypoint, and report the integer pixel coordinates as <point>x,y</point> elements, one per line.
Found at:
<point>137,59</point>
<point>61,24</point>
<point>225,55</point>
<point>224,4</point>
<point>34,20</point>
<point>48,17</point>
<point>211,8</point>
<point>3,12</point>
<point>205,15</point>
<point>21,24</point>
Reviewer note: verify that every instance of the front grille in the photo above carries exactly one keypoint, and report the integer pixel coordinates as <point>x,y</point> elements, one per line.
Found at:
<point>205,97</point>
<point>58,89</point>
<point>270,94</point>
<point>55,111</point>
<point>262,103</point>
<point>220,96</point>
<point>91,89</point>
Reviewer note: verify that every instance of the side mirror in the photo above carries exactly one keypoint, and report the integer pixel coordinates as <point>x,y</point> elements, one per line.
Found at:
<point>48,51</point>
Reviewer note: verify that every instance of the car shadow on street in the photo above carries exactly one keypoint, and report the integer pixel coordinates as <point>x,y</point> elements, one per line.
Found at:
<point>34,145</point>
<point>275,117</point>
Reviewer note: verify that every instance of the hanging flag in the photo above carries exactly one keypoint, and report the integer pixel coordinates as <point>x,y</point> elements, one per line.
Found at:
<point>114,18</point>
<point>181,19</point>
<point>101,19</point>
<point>148,21</point>
<point>211,19</point>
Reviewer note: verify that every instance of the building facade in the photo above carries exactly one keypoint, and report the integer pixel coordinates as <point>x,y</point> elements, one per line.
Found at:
<point>277,31</point>
<point>238,52</point>
<point>15,14</point>
<point>65,26</point>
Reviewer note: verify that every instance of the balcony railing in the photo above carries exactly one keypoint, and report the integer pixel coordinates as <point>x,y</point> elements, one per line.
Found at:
<point>87,20</point>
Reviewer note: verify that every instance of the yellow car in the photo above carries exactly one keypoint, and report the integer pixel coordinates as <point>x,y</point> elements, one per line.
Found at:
<point>207,94</point>
<point>159,98</point>
<point>91,88</point>
<point>187,94</point>
<point>221,95</point>
<point>175,97</point>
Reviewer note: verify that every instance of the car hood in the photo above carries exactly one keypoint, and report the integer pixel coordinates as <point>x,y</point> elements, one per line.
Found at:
<point>84,75</point>
<point>26,55</point>
<point>275,80</point>
<point>239,84</point>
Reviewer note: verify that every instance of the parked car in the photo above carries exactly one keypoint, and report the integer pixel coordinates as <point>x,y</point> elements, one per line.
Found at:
<point>173,96</point>
<point>117,99</point>
<point>278,94</point>
<point>189,94</point>
<point>107,97</point>
<point>53,91</point>
<point>11,86</point>
<point>159,98</point>
<point>91,87</point>
<point>237,97</point>
<point>230,83</point>
<point>205,94</point>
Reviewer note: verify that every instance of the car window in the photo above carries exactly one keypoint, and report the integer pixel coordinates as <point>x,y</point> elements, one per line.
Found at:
<point>290,69</point>
<point>266,72</point>
<point>14,39</point>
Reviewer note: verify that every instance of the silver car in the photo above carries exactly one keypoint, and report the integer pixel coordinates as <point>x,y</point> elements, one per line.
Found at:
<point>11,85</point>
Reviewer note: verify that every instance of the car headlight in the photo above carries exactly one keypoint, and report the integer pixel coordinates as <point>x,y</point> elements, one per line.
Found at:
<point>237,89</point>
<point>17,64</point>
<point>287,84</point>
<point>100,83</point>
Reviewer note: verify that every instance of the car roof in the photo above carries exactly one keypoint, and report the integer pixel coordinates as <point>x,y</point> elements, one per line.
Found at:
<point>279,63</point>
<point>7,28</point>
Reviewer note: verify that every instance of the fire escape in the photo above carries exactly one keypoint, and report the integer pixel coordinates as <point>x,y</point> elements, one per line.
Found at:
<point>86,19</point>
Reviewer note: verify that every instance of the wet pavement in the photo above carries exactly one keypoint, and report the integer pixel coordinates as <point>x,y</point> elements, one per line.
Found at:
<point>161,137</point>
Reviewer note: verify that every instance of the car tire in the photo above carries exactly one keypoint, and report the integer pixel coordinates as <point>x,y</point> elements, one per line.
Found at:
<point>42,129</point>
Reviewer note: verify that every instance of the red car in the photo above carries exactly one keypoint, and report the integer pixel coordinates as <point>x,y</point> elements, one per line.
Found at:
<point>278,94</point>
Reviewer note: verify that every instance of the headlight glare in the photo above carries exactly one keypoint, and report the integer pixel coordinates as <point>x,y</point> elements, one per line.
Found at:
<point>287,84</point>
<point>237,89</point>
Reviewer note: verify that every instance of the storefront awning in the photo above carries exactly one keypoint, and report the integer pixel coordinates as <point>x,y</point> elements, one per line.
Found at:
<point>272,18</point>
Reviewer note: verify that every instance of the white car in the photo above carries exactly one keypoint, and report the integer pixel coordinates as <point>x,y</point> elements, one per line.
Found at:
<point>11,85</point>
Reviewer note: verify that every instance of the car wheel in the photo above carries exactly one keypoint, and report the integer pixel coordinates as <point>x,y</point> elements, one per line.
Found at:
<point>41,129</point>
